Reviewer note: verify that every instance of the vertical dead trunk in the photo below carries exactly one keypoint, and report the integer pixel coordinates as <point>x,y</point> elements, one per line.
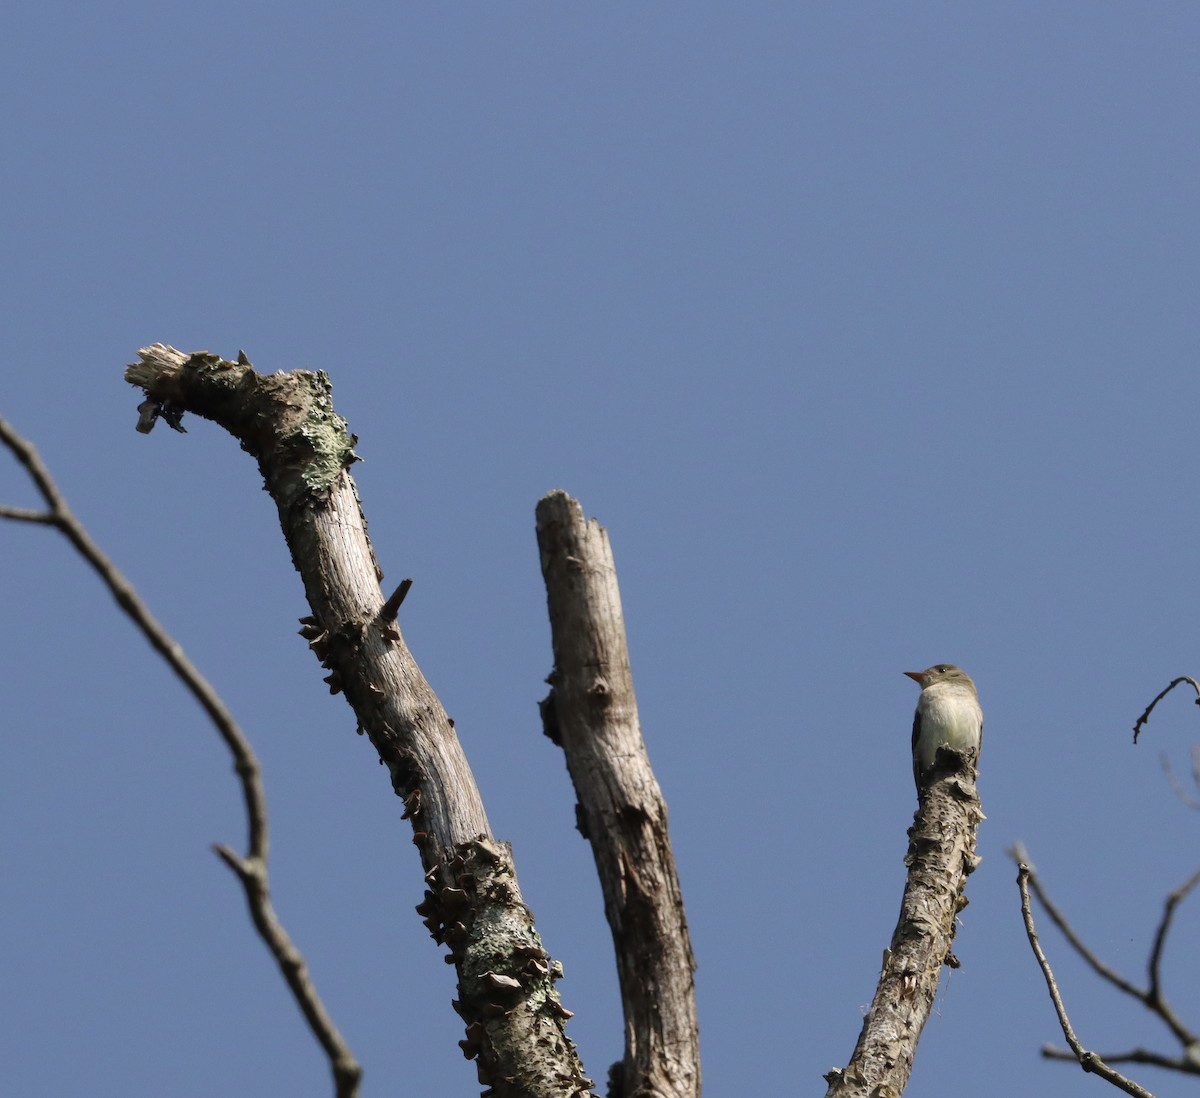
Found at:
<point>592,713</point>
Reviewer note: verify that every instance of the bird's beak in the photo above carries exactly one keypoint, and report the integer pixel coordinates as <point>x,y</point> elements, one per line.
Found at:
<point>916,676</point>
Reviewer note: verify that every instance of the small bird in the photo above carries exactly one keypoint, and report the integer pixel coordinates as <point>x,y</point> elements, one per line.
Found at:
<point>948,715</point>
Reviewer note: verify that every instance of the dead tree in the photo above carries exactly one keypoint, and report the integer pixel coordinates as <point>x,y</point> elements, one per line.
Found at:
<point>506,979</point>
<point>506,994</point>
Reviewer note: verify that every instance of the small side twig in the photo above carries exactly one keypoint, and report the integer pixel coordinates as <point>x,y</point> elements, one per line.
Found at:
<point>251,869</point>
<point>1141,721</point>
<point>1087,1060</point>
<point>1153,996</point>
<point>1182,1064</point>
<point>389,610</point>
<point>1174,782</point>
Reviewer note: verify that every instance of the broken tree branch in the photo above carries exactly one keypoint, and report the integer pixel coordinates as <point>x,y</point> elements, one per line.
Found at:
<point>287,422</point>
<point>591,712</point>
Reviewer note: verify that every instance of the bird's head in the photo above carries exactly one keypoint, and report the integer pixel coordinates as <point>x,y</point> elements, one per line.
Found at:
<point>940,672</point>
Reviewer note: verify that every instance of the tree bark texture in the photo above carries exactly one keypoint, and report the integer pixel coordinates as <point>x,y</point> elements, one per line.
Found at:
<point>473,904</point>
<point>941,854</point>
<point>592,713</point>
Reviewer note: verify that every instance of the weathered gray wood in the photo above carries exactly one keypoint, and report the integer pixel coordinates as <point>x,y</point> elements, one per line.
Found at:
<point>473,905</point>
<point>592,713</point>
<point>941,854</point>
<point>287,422</point>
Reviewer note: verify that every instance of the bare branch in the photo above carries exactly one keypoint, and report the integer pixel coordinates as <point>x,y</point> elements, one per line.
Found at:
<point>251,870</point>
<point>473,904</point>
<point>592,713</point>
<point>1184,1064</point>
<point>1174,782</point>
<point>1060,920</point>
<point>1089,1061</point>
<point>1151,996</point>
<point>21,514</point>
<point>941,854</point>
<point>1141,721</point>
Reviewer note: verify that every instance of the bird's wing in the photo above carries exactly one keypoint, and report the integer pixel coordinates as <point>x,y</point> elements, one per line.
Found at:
<point>916,736</point>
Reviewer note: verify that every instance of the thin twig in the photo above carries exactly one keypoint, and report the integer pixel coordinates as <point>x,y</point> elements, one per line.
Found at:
<point>1098,966</point>
<point>1150,997</point>
<point>1140,722</point>
<point>252,869</point>
<point>1154,998</point>
<point>1174,782</point>
<point>1089,1061</point>
<point>21,514</point>
<point>1184,1063</point>
<point>60,516</point>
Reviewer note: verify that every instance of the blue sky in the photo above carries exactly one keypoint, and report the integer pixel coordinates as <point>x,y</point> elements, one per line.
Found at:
<point>868,330</point>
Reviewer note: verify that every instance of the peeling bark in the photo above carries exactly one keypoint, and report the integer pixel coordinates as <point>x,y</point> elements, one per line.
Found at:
<point>941,854</point>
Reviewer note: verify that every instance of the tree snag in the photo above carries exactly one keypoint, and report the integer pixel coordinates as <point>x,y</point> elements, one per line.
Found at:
<point>591,712</point>
<point>941,854</point>
<point>473,904</point>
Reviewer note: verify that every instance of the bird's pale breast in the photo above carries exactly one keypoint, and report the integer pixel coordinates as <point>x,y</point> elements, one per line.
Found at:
<point>950,716</point>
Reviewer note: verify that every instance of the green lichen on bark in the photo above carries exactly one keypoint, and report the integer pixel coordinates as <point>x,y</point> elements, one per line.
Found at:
<point>328,434</point>
<point>312,444</point>
<point>285,420</point>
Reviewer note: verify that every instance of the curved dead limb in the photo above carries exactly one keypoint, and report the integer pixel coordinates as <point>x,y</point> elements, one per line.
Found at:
<point>1140,723</point>
<point>1187,798</point>
<point>287,422</point>
<point>251,868</point>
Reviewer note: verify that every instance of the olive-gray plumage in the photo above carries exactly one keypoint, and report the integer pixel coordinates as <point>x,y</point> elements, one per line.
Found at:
<point>948,715</point>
